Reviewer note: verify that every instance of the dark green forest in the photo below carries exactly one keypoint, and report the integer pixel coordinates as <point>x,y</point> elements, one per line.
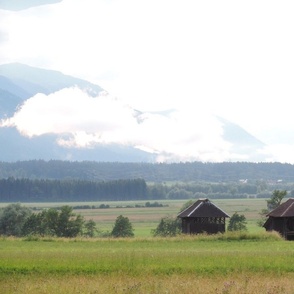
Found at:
<point>46,190</point>
<point>150,172</point>
<point>27,190</point>
<point>57,181</point>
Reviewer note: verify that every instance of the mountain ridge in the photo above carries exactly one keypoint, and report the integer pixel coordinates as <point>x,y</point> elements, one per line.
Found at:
<point>18,82</point>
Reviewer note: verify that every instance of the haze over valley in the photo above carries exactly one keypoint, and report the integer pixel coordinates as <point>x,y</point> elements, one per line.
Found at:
<point>48,115</point>
<point>146,82</point>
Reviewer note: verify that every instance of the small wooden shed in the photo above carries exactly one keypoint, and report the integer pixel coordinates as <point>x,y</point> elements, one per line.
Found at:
<point>203,217</point>
<point>281,219</point>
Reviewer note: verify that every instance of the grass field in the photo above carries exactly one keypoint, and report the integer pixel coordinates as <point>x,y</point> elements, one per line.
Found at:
<point>260,263</point>
<point>253,262</point>
<point>144,219</point>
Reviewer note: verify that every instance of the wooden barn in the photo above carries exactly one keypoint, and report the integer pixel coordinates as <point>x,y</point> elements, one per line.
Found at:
<point>281,219</point>
<point>203,217</point>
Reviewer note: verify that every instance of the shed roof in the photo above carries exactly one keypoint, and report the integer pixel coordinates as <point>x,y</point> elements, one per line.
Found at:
<point>203,208</point>
<point>286,209</point>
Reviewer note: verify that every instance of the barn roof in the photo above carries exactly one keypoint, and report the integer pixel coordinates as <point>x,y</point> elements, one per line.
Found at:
<point>203,208</point>
<point>286,209</point>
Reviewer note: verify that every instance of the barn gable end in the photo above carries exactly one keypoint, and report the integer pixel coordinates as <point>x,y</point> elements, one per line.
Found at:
<point>203,217</point>
<point>281,219</point>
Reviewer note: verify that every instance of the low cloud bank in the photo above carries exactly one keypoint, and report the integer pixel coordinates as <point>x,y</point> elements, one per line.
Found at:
<point>81,121</point>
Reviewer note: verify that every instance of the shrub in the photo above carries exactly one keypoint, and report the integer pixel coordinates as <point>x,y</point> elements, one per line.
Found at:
<point>12,219</point>
<point>237,223</point>
<point>167,227</point>
<point>122,227</point>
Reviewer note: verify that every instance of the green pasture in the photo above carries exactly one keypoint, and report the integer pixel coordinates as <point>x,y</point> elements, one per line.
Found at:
<point>225,263</point>
<point>144,219</point>
<point>252,262</point>
<point>181,255</point>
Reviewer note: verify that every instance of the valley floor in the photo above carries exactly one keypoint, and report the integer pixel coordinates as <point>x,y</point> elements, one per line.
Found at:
<point>230,263</point>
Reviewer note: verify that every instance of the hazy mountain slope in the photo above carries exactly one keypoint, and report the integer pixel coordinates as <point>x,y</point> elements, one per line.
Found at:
<point>8,103</point>
<point>15,147</point>
<point>19,82</point>
<point>36,80</point>
<point>7,85</point>
<point>24,4</point>
<point>155,172</point>
<point>11,95</point>
<point>242,142</point>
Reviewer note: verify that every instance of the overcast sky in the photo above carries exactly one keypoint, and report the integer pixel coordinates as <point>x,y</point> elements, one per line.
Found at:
<point>230,58</point>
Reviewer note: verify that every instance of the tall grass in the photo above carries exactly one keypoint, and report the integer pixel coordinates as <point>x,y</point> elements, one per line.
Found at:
<point>173,284</point>
<point>224,263</point>
<point>217,254</point>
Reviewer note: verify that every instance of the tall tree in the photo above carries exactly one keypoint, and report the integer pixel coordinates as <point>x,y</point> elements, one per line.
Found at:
<point>12,219</point>
<point>52,222</point>
<point>167,227</point>
<point>237,222</point>
<point>69,224</point>
<point>122,227</point>
<point>90,228</point>
<point>276,199</point>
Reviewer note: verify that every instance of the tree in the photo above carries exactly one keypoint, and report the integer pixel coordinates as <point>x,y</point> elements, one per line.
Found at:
<point>263,217</point>
<point>276,199</point>
<point>237,223</point>
<point>122,227</point>
<point>52,222</point>
<point>90,228</point>
<point>35,225</point>
<point>68,223</point>
<point>167,227</point>
<point>12,219</point>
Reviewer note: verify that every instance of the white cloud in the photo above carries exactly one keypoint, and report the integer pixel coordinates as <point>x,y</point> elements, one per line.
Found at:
<point>231,58</point>
<point>86,121</point>
<point>70,110</point>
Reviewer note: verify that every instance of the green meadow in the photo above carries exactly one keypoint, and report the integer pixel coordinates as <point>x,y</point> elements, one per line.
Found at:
<point>144,219</point>
<point>248,262</point>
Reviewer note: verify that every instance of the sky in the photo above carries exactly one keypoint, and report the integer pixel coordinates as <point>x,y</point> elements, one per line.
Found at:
<point>233,59</point>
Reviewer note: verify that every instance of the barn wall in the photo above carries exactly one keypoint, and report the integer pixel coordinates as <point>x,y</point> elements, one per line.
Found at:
<point>284,226</point>
<point>203,225</point>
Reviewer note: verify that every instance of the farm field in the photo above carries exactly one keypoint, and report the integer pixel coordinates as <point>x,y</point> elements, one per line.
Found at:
<point>230,263</point>
<point>253,262</point>
<point>144,219</point>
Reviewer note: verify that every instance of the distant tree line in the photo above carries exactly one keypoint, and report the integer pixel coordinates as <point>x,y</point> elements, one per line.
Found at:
<point>45,190</point>
<point>151,172</point>
<point>26,190</point>
<point>231,190</point>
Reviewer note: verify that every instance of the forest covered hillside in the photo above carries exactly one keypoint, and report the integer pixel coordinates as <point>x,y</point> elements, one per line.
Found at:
<point>57,181</point>
<point>150,172</point>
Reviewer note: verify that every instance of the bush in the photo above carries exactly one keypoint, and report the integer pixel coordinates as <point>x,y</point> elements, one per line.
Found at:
<point>103,206</point>
<point>90,228</point>
<point>168,227</point>
<point>12,219</point>
<point>154,204</point>
<point>237,223</point>
<point>52,222</point>
<point>122,227</point>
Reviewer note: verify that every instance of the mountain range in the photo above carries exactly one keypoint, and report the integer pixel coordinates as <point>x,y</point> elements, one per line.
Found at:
<point>19,82</point>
